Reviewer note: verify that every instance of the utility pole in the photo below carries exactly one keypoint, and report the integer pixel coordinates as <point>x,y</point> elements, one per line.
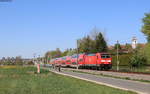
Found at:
<point>77,53</point>
<point>39,61</point>
<point>34,58</point>
<point>38,65</point>
<point>117,55</point>
<point>48,59</point>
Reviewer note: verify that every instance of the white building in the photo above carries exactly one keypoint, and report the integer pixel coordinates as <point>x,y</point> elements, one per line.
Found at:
<point>134,42</point>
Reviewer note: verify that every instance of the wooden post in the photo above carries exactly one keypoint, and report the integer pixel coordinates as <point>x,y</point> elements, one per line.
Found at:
<point>38,68</point>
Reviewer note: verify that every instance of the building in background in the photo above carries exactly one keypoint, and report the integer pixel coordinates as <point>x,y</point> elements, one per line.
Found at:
<point>134,42</point>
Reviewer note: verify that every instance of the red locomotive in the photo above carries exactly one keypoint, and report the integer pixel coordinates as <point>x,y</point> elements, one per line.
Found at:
<point>98,61</point>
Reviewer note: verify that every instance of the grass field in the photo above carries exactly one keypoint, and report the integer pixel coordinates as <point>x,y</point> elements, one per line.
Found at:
<point>24,80</point>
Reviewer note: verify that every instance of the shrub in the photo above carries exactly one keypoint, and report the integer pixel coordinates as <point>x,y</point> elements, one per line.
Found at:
<point>146,53</point>
<point>30,63</point>
<point>124,59</point>
<point>138,60</point>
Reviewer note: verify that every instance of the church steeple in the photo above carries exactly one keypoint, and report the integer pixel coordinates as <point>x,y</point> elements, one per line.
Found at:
<point>134,42</point>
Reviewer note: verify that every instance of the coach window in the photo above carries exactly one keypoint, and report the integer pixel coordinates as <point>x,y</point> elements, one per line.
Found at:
<point>91,54</point>
<point>74,63</point>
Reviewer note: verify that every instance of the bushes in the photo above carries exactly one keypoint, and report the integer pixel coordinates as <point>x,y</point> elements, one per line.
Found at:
<point>138,60</point>
<point>141,57</point>
<point>124,59</point>
<point>146,53</point>
<point>30,63</point>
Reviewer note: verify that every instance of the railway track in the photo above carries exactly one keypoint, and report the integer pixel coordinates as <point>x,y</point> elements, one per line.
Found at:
<point>127,75</point>
<point>129,72</point>
<point>114,71</point>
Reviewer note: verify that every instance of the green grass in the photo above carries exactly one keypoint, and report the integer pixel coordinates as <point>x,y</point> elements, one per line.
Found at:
<point>25,80</point>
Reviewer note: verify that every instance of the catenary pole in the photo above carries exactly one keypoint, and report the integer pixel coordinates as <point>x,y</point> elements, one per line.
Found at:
<point>117,55</point>
<point>77,54</point>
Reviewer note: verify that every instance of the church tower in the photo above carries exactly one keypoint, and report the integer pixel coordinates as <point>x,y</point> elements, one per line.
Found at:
<point>134,42</point>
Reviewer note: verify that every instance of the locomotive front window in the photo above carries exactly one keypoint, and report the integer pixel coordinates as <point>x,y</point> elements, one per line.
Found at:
<point>105,56</point>
<point>108,56</point>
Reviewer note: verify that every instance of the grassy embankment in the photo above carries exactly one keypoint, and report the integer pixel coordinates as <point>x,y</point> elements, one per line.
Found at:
<point>124,65</point>
<point>24,80</point>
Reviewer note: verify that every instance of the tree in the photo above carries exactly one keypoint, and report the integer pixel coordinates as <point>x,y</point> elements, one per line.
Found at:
<point>30,63</point>
<point>71,52</point>
<point>12,60</point>
<point>8,61</point>
<point>2,61</point>
<point>94,33</point>
<point>47,56</point>
<point>119,46</point>
<point>65,52</point>
<point>146,26</point>
<point>146,52</point>
<point>58,53</point>
<point>128,46</point>
<point>18,60</point>
<point>53,54</point>
<point>80,44</point>
<point>93,43</point>
<point>137,60</point>
<point>100,43</point>
<point>85,45</point>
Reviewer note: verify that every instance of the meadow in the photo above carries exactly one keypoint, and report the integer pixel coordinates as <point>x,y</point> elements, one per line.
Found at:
<point>25,80</point>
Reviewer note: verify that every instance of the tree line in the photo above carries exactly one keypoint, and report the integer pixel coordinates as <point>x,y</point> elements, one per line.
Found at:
<point>15,61</point>
<point>91,43</point>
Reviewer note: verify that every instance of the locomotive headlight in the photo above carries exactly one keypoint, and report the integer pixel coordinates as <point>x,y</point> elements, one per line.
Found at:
<point>108,60</point>
<point>103,60</point>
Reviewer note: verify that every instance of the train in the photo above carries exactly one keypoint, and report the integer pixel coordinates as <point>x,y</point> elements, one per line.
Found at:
<point>98,61</point>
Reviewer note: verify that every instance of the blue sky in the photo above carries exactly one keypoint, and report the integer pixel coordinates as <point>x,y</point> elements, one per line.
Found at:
<point>36,26</point>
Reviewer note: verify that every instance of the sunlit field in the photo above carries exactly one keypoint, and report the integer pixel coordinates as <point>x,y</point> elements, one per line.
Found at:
<point>25,80</point>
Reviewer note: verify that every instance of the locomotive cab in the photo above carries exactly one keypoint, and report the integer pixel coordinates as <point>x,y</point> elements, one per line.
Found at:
<point>104,60</point>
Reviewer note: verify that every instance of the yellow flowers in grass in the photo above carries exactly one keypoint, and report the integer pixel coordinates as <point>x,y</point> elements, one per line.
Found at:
<point>8,67</point>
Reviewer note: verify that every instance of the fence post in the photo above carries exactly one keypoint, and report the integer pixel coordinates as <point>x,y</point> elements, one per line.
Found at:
<point>38,68</point>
